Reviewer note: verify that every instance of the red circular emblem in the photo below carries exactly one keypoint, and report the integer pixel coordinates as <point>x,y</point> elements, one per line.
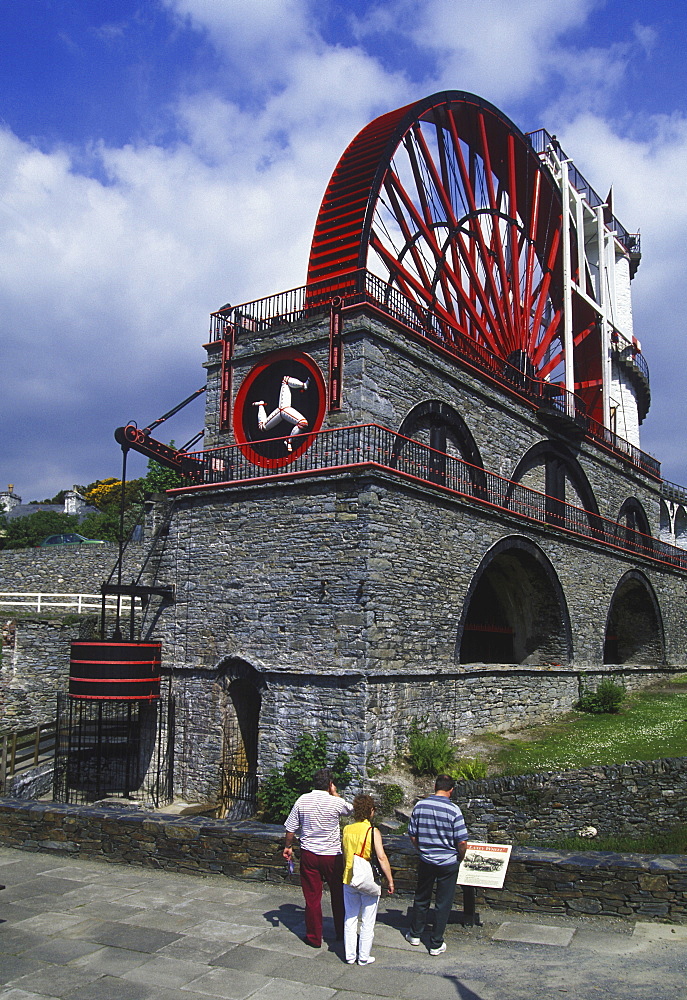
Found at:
<point>279,407</point>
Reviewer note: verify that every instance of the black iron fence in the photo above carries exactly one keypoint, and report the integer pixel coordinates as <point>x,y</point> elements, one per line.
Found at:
<point>371,445</point>
<point>114,749</point>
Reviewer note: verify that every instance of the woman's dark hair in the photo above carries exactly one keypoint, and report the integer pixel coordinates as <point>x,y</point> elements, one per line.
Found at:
<point>363,806</point>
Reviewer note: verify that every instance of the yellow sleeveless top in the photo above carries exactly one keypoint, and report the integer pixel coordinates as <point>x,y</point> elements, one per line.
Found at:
<point>352,841</point>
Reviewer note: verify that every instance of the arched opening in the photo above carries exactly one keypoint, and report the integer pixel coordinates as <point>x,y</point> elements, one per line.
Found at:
<point>634,628</point>
<point>634,527</point>
<point>515,611</point>
<point>554,471</point>
<point>240,704</point>
<point>681,527</point>
<point>666,523</point>
<point>441,429</point>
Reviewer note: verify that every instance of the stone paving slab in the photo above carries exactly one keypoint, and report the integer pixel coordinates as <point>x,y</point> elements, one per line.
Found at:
<point>15,994</point>
<point>166,971</point>
<point>58,980</point>
<point>235,986</point>
<point>118,935</point>
<point>91,947</point>
<point>49,923</point>
<point>15,966</point>
<point>280,989</point>
<point>113,988</point>
<point>675,933</point>
<point>534,934</point>
<point>194,949</point>
<point>111,961</point>
<point>222,930</point>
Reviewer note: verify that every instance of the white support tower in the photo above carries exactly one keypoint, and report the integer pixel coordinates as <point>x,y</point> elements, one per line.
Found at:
<point>600,259</point>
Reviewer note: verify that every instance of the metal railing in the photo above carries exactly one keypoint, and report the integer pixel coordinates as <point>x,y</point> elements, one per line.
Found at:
<point>25,748</point>
<point>371,445</point>
<point>362,287</point>
<point>34,601</point>
<point>672,491</point>
<point>542,142</point>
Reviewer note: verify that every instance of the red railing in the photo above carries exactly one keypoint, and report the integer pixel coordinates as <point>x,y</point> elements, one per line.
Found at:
<point>286,308</point>
<point>345,448</point>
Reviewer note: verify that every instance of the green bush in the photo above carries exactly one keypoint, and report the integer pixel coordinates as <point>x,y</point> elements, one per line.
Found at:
<point>430,752</point>
<point>392,796</point>
<point>280,789</point>
<point>607,698</point>
<point>469,769</point>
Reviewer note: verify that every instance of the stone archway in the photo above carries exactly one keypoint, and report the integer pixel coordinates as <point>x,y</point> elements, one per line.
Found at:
<point>441,428</point>
<point>551,469</point>
<point>634,626</point>
<point>515,610</point>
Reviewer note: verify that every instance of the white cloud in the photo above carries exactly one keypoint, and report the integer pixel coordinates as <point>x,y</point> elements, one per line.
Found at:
<point>107,278</point>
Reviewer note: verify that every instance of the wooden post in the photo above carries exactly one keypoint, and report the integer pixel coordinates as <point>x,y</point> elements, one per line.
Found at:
<point>3,763</point>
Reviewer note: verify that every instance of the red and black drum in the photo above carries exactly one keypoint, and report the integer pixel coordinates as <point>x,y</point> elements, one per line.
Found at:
<point>105,671</point>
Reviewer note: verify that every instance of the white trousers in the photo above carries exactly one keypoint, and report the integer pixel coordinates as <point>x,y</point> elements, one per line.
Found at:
<point>364,906</point>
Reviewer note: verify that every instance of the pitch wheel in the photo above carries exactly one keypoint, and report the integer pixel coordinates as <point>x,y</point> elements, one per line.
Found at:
<point>446,202</point>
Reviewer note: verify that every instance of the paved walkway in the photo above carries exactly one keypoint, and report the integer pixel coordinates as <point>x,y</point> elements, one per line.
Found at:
<point>96,931</point>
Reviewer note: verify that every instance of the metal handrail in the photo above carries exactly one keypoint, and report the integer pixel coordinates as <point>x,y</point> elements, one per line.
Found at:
<point>673,491</point>
<point>344,448</point>
<point>542,141</point>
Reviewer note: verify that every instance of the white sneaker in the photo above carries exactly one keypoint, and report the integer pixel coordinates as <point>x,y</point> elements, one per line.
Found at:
<point>412,940</point>
<point>438,951</point>
<point>369,961</point>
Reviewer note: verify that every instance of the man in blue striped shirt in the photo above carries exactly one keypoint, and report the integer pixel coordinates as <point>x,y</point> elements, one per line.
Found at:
<point>437,830</point>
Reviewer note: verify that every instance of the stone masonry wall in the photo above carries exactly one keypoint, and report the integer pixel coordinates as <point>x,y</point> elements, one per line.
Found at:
<point>36,646</point>
<point>537,881</point>
<point>639,797</point>
<point>64,569</point>
<point>346,597</point>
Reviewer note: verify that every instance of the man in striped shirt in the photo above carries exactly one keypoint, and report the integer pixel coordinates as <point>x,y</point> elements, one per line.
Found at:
<point>315,816</point>
<point>437,830</point>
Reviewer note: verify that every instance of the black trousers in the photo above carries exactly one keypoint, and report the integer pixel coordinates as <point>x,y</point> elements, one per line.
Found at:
<point>444,877</point>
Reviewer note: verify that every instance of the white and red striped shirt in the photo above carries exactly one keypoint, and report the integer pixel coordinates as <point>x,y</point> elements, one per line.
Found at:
<point>315,817</point>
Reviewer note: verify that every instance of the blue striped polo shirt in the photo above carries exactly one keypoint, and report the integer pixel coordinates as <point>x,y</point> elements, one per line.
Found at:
<point>438,825</point>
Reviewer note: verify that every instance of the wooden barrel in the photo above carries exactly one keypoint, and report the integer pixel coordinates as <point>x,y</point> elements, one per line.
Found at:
<point>106,671</point>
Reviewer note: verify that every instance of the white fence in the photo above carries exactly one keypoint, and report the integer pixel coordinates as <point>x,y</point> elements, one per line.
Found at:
<point>48,602</point>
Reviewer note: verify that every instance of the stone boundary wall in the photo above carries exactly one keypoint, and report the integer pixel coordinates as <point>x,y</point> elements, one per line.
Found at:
<point>638,797</point>
<point>619,885</point>
<point>65,569</point>
<point>34,664</point>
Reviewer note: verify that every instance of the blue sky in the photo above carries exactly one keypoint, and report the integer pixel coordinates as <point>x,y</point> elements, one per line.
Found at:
<point>160,158</point>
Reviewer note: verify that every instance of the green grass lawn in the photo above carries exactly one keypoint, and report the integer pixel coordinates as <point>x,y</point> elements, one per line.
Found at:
<point>650,725</point>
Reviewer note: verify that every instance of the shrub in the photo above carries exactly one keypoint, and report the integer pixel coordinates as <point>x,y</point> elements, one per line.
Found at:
<point>392,796</point>
<point>607,698</point>
<point>469,769</point>
<point>280,789</point>
<point>430,752</point>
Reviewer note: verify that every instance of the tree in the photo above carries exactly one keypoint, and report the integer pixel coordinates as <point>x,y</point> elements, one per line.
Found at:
<point>281,788</point>
<point>160,478</point>
<point>26,532</point>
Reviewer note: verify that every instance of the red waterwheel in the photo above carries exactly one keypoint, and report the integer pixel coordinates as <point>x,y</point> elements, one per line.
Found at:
<point>448,204</point>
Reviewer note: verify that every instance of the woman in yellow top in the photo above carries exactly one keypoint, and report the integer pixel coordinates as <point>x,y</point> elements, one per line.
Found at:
<point>359,904</point>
